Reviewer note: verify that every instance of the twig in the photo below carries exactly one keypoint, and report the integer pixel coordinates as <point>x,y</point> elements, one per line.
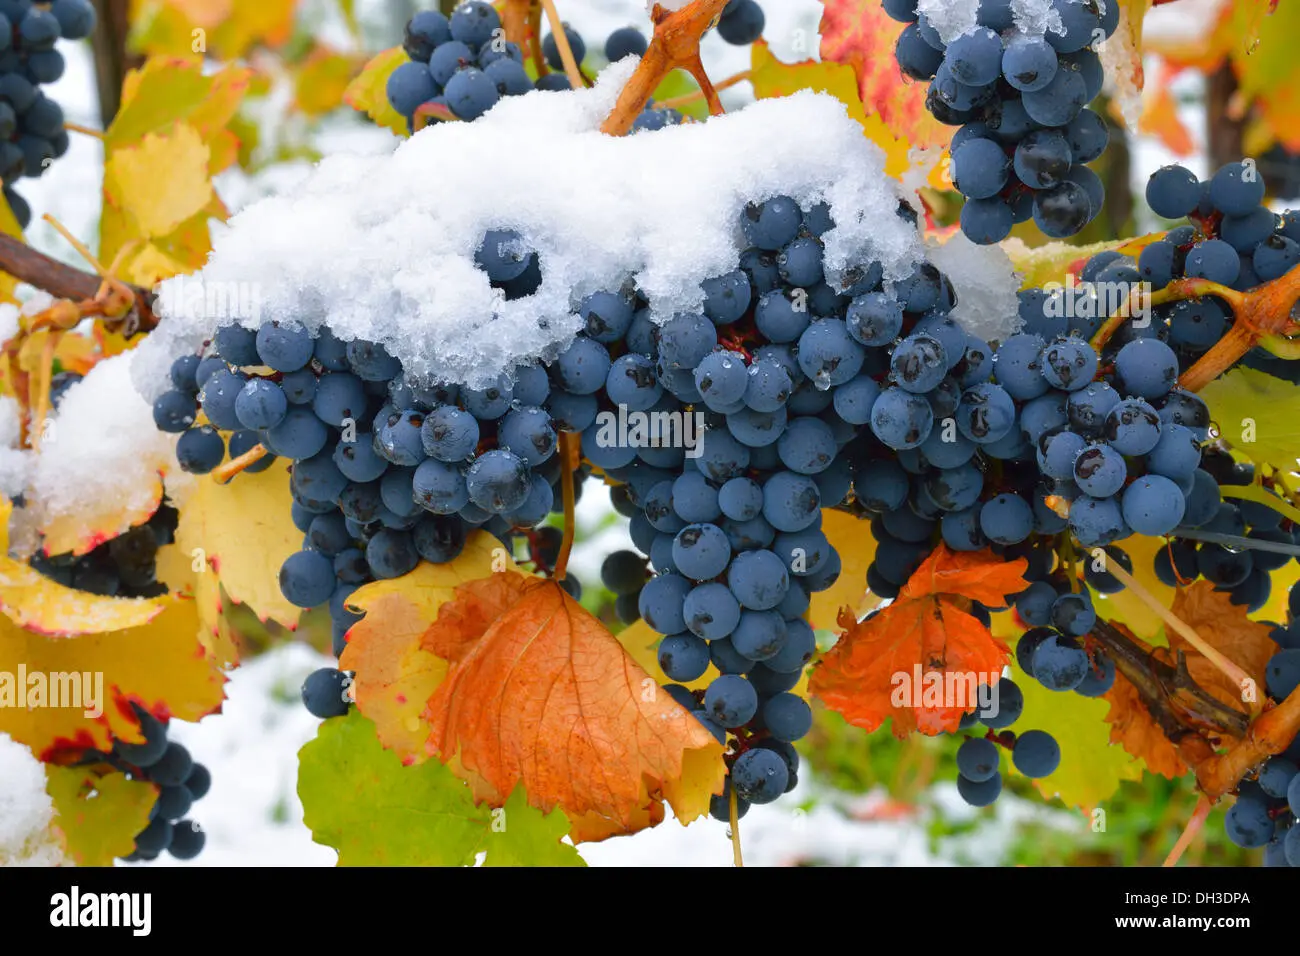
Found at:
<point>223,473</point>
<point>569,448</point>
<point>1238,544</point>
<point>676,44</point>
<point>1177,290</point>
<point>735,828</point>
<point>571,68</point>
<point>85,130</point>
<point>1263,311</point>
<point>1269,734</point>
<point>686,99</point>
<point>1231,670</point>
<point>67,282</point>
<point>1203,808</point>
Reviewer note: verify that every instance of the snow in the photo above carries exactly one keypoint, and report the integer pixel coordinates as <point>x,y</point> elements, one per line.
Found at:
<point>101,446</point>
<point>26,810</point>
<point>951,18</point>
<point>366,246</point>
<point>986,284</point>
<point>15,463</point>
<point>1036,17</point>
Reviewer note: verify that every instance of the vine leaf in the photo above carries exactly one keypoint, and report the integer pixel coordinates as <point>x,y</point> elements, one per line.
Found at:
<point>429,816</point>
<point>396,673</point>
<point>321,81</point>
<point>852,539</point>
<point>1133,728</point>
<point>860,34</point>
<point>159,204</point>
<point>98,816</point>
<point>1225,627</point>
<point>927,631</point>
<point>1258,414</point>
<point>161,666</point>
<point>1052,261</point>
<point>539,693</point>
<point>369,93</point>
<point>510,682</point>
<point>245,533</point>
<point>231,28</point>
<point>1092,767</point>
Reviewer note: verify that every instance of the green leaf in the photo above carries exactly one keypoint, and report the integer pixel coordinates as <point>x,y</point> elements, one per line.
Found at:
<point>1257,414</point>
<point>679,83</point>
<point>359,799</point>
<point>99,816</point>
<point>1092,768</point>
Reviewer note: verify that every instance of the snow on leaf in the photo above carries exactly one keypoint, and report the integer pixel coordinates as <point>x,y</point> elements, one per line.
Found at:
<point>852,539</point>
<point>99,816</point>
<point>1258,414</point>
<point>395,673</point>
<point>160,666</point>
<point>860,34</point>
<point>429,816</point>
<point>1092,768</point>
<point>539,693</point>
<point>927,633</point>
<point>1225,627</point>
<point>244,530</point>
<point>369,93</point>
<point>162,181</point>
<point>770,77</point>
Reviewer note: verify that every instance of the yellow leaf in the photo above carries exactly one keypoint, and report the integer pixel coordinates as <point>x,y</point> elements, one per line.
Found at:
<point>1258,414</point>
<point>319,84</point>
<point>1124,606</point>
<point>245,531</point>
<point>99,816</point>
<point>161,182</point>
<point>83,532</point>
<point>702,778</point>
<point>150,266</point>
<point>395,675</point>
<point>1050,262</point>
<point>161,666</point>
<point>852,538</point>
<point>771,77</point>
<point>43,606</point>
<point>369,93</point>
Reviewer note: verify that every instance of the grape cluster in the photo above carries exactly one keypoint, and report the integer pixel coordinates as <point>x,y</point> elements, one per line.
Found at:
<point>1026,135</point>
<point>1035,753</point>
<point>1267,807</point>
<point>125,566</point>
<point>31,124</point>
<point>180,781</point>
<point>1232,238</point>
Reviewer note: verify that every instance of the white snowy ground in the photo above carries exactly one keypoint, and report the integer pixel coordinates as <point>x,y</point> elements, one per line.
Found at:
<point>252,815</point>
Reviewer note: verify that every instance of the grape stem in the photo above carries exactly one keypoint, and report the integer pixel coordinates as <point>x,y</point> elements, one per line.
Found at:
<point>571,68</point>
<point>675,45</point>
<point>570,455</point>
<point>1176,291</point>
<point>223,473</point>
<point>1203,807</point>
<point>67,282</point>
<point>1228,668</point>
<point>734,813</point>
<point>686,99</point>
<point>1268,734</point>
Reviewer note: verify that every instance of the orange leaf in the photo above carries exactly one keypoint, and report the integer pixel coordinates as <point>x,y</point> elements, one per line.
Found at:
<point>1160,118</point>
<point>860,34</point>
<point>538,692</point>
<point>1225,627</point>
<point>920,660</point>
<point>1133,727</point>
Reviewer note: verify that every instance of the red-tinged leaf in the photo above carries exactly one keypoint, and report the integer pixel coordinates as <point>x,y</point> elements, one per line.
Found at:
<point>539,693</point>
<point>1225,627</point>
<point>1160,118</point>
<point>1133,728</point>
<point>978,575</point>
<point>921,660</point>
<point>859,33</point>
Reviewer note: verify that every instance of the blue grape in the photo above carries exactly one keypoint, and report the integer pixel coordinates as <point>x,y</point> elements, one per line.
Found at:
<point>726,297</point>
<point>742,22</point>
<point>759,635</point>
<point>827,354</point>
<point>980,168</point>
<point>1248,823</point>
<point>711,611</point>
<point>854,400</point>
<point>439,539</point>
<point>916,58</point>
<point>701,551</point>
<point>900,419</point>
<point>807,446</point>
<point>980,794</point>
<point>800,262</point>
<point>200,450</point>
<point>1018,366</point>
<point>977,759</point>
<point>1059,663</point>
<point>391,554</point>
<point>528,432</point>
<point>788,718</point>
<point>307,578</point>
<point>358,461</point>
<point>1215,260</point>
<point>449,434</point>
<point>584,366</point>
<point>1073,614</point>
<point>551,49</point>
<point>283,347</point>
<point>470,93</point>
<point>1029,63</point>
<point>661,602</point>
<point>767,388</point>
<point>300,434</point>
<point>759,775</point>
<point>399,438</point>
<point>440,488</point>
<point>791,502</point>
<point>340,397</point>
<point>1282,673</point>
<point>425,31</point>
<point>1176,455</point>
<point>1236,189</point>
<point>175,411</point>
<point>1036,753</point>
<point>1153,505</point>
<point>1006,519</point>
<point>1071,363</point>
<point>502,254</point>
<point>721,456</point>
<point>625,41</point>
<point>260,404</point>
<point>371,362</point>
<point>919,363</point>
<point>986,413</point>
<point>874,319</point>
<point>1064,209</point>
<point>777,317</point>
<point>758,579</point>
<point>497,481</point>
<point>1096,521</point>
<point>243,441</point>
<point>1173,192</point>
<point>1132,427</point>
<point>1042,159</point>
<point>772,224</point>
<point>1100,471</point>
